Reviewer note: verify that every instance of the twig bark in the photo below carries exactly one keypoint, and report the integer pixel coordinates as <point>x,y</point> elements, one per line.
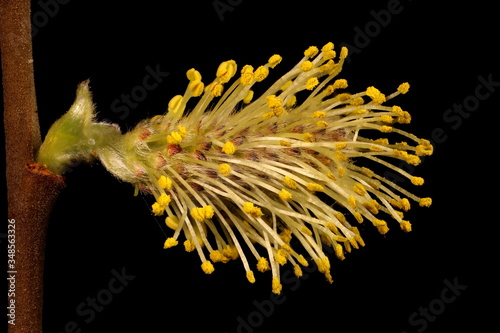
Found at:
<point>31,190</point>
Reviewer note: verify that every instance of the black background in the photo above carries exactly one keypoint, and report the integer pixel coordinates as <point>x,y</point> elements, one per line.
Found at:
<point>98,226</point>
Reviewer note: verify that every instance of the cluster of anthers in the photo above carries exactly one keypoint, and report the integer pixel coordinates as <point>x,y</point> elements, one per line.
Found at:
<point>271,180</point>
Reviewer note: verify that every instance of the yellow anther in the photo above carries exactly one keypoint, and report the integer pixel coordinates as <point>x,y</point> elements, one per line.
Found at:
<point>229,253</point>
<point>368,172</point>
<point>322,124</point>
<point>247,69</point>
<point>343,53</point>
<point>170,242</point>
<point>290,183</point>
<point>276,286</point>
<point>268,115</point>
<point>352,201</point>
<point>285,195</point>
<point>174,138</point>
<point>157,209</point>
<point>198,214</point>
<point>323,265</point>
<point>412,159</point>
<point>165,183</point>
<point>163,200</point>
<point>313,187</point>
<point>339,251</point>
<point>424,150</point>
<point>308,137</point>
<point>215,89</point>
<point>372,205</point>
<point>274,60</point>
<point>376,148</point>
<point>327,47</point>
<point>328,67</point>
<point>340,217</point>
<point>386,129</point>
<point>286,236</point>
<point>248,98</point>
<point>263,265</point>
<point>357,101</point>
<point>357,236</point>
<point>424,142</point>
<point>246,75</point>
<point>340,84</point>
<point>425,202</point>
<point>338,238</point>
<point>202,213</point>
<point>359,189</point>
<point>246,79</point>
<point>417,181</point>
<point>306,66</point>
<point>250,277</point>
<point>172,222</point>
<point>261,73</point>
<point>229,148</point>
<point>358,217</point>
<point>189,245</point>
<point>207,267</point>
<point>360,111</point>
<point>306,231</point>
<point>291,101</point>
<point>397,110</point>
<point>386,119</point>
<point>182,131</point>
<point>352,241</point>
<point>175,104</point>
<point>285,143</point>
<point>193,75</point>
<point>252,210</point>
<point>381,141</point>
<point>330,89</point>
<point>330,54</point>
<point>302,260</point>
<point>340,145</point>
<point>279,111</point>
<point>405,204</point>
<point>375,94</point>
<point>404,87</point>
<point>405,118</point>
<point>280,257</point>
<point>225,169</point>
<point>297,271</point>
<point>400,153</point>
<point>405,226</point>
<point>340,156</point>
<point>381,226</point>
<point>312,83</point>
<point>332,227</point>
<point>273,101</point>
<point>344,97</point>
<point>208,211</point>
<point>341,172</point>
<point>312,51</point>
<point>319,114</point>
<point>197,87</point>
<point>286,85</point>
<point>226,71</point>
<point>216,256</point>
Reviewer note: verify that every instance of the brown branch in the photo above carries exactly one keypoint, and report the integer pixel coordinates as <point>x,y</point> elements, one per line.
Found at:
<point>31,190</point>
